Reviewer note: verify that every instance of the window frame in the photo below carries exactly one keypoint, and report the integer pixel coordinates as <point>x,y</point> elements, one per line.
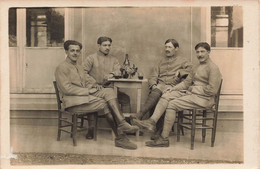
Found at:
<point>208,32</point>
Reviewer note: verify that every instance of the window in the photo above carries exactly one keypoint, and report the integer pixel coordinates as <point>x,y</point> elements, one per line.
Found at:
<point>12,27</point>
<point>44,27</point>
<point>227,26</point>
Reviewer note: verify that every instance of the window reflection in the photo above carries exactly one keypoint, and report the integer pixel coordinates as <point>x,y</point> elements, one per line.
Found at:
<point>12,27</point>
<point>45,27</point>
<point>226,26</point>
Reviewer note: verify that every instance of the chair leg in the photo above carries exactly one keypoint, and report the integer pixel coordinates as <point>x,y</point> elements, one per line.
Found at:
<point>81,121</point>
<point>203,125</point>
<point>95,125</point>
<point>74,129</point>
<point>71,130</point>
<point>59,125</point>
<point>178,124</point>
<point>193,125</point>
<point>182,131</point>
<point>213,134</point>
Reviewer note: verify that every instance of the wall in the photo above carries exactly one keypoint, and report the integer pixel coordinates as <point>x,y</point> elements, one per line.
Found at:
<point>40,67</point>
<point>141,33</point>
<point>231,67</point>
<point>14,69</point>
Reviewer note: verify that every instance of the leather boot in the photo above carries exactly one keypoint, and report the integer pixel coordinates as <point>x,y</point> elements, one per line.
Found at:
<point>123,142</point>
<point>159,142</point>
<point>123,126</point>
<point>91,124</point>
<point>159,128</point>
<point>90,134</point>
<point>150,102</point>
<point>149,125</point>
<point>111,122</point>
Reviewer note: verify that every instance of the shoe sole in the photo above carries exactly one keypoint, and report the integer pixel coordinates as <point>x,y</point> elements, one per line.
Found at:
<point>143,127</point>
<point>157,145</point>
<point>129,148</point>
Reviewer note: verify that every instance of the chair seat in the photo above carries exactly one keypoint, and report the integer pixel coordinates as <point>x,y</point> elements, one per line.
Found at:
<point>188,126</point>
<point>197,119</point>
<point>76,112</point>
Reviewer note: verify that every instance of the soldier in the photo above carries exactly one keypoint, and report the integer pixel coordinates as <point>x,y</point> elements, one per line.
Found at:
<point>79,89</point>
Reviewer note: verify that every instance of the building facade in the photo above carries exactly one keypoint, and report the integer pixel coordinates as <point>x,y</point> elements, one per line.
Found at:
<point>36,37</point>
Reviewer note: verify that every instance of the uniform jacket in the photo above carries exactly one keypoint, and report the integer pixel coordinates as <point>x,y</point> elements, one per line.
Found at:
<point>99,66</point>
<point>165,71</point>
<point>73,83</point>
<point>203,80</point>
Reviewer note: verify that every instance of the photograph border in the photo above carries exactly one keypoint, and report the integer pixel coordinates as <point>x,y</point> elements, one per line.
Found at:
<point>250,75</point>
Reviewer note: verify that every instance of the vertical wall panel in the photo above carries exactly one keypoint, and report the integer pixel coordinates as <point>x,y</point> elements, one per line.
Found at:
<point>141,32</point>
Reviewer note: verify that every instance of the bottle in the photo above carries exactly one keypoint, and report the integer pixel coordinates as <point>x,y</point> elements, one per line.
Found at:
<point>126,62</point>
<point>125,67</point>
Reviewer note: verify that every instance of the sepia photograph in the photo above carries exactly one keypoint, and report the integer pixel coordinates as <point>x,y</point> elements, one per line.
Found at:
<point>130,85</point>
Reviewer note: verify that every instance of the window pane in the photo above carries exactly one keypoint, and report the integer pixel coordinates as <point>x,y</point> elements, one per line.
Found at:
<point>227,26</point>
<point>12,27</point>
<point>45,27</point>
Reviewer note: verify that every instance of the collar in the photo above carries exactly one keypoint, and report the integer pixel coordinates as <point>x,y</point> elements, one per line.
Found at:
<point>171,57</point>
<point>101,54</point>
<point>69,61</point>
<point>207,61</point>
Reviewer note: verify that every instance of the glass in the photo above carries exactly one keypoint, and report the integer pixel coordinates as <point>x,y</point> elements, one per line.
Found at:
<point>45,27</point>
<point>12,24</point>
<point>227,26</point>
<point>140,75</point>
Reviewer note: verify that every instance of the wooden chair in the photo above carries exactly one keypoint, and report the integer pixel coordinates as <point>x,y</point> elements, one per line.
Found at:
<point>75,127</point>
<point>197,119</point>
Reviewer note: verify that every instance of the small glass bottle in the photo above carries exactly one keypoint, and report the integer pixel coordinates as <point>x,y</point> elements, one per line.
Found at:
<point>126,62</point>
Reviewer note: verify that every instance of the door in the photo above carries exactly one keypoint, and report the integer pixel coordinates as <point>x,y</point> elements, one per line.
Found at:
<point>40,37</point>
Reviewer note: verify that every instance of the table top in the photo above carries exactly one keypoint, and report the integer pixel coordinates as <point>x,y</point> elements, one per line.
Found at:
<point>127,80</point>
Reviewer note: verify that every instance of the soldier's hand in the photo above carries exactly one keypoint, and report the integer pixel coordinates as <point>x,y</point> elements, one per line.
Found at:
<point>99,87</point>
<point>169,89</point>
<point>190,88</point>
<point>153,87</point>
<point>177,74</point>
<point>92,90</point>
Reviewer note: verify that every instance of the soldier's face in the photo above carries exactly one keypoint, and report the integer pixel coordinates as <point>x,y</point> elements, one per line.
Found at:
<point>105,47</point>
<point>73,52</point>
<point>202,54</point>
<point>170,50</point>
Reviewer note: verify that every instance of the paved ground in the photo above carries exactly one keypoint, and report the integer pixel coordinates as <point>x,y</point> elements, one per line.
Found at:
<point>58,159</point>
<point>38,145</point>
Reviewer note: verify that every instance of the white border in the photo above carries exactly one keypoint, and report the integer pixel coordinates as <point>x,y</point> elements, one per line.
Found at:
<point>250,75</point>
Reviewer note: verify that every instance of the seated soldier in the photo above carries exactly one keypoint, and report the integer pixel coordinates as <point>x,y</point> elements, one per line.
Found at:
<point>101,66</point>
<point>78,92</point>
<point>170,71</point>
<point>196,91</point>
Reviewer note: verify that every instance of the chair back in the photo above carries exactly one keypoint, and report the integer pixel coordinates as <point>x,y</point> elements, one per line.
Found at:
<point>217,96</point>
<point>57,95</point>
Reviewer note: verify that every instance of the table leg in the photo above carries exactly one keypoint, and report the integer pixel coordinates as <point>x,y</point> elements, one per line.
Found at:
<point>115,90</point>
<point>138,100</point>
